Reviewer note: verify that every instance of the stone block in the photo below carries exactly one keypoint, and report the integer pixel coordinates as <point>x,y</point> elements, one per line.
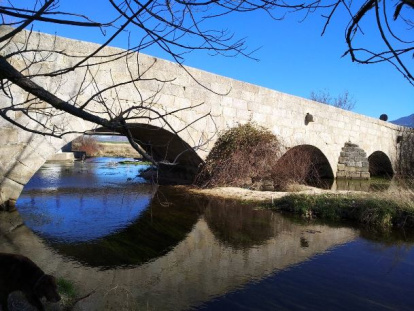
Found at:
<point>229,112</point>
<point>365,175</point>
<point>350,163</point>
<point>355,175</point>
<point>360,159</point>
<point>358,164</point>
<point>342,160</point>
<point>9,189</point>
<point>365,163</point>
<point>341,167</point>
<point>350,169</point>
<point>9,136</point>
<point>341,174</point>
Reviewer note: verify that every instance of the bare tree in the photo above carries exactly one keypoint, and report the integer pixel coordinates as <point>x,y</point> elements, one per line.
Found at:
<point>343,101</point>
<point>174,26</point>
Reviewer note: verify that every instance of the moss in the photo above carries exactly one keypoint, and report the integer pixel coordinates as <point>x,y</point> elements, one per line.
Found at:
<point>372,211</point>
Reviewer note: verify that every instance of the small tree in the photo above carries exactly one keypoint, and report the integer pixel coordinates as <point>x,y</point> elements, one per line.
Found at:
<point>344,101</point>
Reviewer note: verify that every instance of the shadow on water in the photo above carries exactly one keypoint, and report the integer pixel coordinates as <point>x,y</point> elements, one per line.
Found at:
<point>158,229</point>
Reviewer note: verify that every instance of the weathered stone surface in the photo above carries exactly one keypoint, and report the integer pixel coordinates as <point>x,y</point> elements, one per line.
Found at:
<point>62,157</point>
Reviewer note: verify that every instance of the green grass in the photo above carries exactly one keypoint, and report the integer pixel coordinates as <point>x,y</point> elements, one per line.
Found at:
<point>66,288</point>
<point>381,211</point>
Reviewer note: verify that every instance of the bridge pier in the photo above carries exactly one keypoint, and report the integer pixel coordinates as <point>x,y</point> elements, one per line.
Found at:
<point>353,163</point>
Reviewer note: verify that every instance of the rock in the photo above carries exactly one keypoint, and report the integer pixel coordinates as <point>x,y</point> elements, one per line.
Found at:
<point>17,302</point>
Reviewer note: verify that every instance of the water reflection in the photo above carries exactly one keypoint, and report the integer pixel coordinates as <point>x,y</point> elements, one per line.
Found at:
<point>170,251</point>
<point>158,229</point>
<point>80,215</point>
<point>240,227</point>
<point>197,269</point>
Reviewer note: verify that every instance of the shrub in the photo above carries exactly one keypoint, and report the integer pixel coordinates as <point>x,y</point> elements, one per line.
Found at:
<point>241,155</point>
<point>297,166</point>
<point>88,144</point>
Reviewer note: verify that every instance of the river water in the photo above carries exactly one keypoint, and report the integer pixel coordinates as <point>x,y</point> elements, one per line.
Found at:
<point>134,246</point>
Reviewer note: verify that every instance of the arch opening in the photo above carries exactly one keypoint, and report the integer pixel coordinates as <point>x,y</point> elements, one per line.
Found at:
<point>178,161</point>
<point>304,164</point>
<point>380,165</point>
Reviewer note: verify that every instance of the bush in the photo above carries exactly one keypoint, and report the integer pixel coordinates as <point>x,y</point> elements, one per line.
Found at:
<point>88,144</point>
<point>296,166</point>
<point>241,156</point>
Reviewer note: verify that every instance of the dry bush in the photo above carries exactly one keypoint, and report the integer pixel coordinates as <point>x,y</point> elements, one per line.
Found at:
<point>241,156</point>
<point>88,144</point>
<point>297,166</point>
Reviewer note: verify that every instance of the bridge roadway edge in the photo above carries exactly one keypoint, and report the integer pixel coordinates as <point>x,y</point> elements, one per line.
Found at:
<point>231,103</point>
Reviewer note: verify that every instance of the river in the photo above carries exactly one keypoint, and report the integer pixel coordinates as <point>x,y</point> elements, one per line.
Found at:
<point>135,246</point>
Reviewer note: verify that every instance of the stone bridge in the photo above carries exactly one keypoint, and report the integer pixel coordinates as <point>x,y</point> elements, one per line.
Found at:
<point>203,104</point>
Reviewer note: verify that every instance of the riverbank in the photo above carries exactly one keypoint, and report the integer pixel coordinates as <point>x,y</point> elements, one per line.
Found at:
<point>109,149</point>
<point>379,210</point>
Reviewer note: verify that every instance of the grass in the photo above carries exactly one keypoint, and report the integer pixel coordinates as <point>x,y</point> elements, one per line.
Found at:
<point>66,288</point>
<point>380,210</point>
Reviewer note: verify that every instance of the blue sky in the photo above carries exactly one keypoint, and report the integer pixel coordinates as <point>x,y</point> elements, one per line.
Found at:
<point>293,58</point>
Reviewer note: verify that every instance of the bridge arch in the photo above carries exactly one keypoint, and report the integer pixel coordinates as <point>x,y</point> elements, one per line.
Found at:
<point>380,165</point>
<point>162,144</point>
<point>306,163</point>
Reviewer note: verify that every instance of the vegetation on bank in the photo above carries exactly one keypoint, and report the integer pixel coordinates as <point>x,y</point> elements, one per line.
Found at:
<point>380,211</point>
<point>138,162</point>
<point>87,144</point>
<point>67,292</point>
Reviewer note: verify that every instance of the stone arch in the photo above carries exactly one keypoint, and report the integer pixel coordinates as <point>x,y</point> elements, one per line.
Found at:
<point>26,158</point>
<point>380,165</point>
<point>164,145</point>
<point>305,162</point>
<point>179,162</point>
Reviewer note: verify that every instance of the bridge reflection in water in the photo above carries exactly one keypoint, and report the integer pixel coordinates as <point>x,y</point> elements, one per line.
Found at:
<point>212,248</point>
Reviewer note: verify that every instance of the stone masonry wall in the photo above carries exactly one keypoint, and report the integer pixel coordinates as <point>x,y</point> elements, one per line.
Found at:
<point>353,163</point>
